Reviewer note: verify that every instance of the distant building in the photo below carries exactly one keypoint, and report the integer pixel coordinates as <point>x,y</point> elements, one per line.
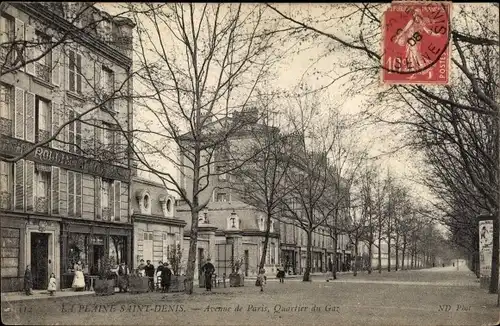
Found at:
<point>68,200</point>
<point>157,229</point>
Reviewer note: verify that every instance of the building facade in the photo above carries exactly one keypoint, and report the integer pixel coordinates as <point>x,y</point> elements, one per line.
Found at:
<point>67,199</point>
<point>157,229</point>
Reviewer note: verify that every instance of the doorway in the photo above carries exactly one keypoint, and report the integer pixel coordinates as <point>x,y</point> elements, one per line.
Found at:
<point>40,260</point>
<point>247,258</point>
<point>201,258</point>
<point>97,258</point>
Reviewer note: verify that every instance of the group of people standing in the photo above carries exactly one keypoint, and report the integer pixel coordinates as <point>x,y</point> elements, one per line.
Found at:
<point>159,278</point>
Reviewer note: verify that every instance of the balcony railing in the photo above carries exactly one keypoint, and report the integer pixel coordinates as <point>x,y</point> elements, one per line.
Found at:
<point>5,200</point>
<point>42,205</point>
<point>42,71</point>
<point>6,126</point>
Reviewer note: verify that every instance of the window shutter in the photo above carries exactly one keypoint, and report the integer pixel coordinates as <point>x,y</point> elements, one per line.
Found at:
<point>97,137</point>
<point>30,184</point>
<point>79,71</point>
<point>19,113</point>
<point>165,246</point>
<point>118,144</point>
<point>55,183</point>
<point>65,116</point>
<point>118,201</point>
<point>71,131</point>
<point>78,194</point>
<point>30,117</point>
<point>71,70</point>
<point>30,49</point>
<point>19,185</point>
<point>56,119</point>
<point>71,193</point>
<point>56,63</point>
<point>97,198</point>
<point>78,137</point>
<point>19,38</point>
<point>111,194</point>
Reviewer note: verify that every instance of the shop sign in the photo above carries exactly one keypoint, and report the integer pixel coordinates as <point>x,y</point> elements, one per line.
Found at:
<point>49,156</point>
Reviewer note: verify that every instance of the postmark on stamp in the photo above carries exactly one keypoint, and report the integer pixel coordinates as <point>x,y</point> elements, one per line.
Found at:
<point>416,43</point>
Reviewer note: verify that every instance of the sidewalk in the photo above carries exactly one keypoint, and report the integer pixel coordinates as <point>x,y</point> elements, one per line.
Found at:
<point>273,277</point>
<point>42,294</point>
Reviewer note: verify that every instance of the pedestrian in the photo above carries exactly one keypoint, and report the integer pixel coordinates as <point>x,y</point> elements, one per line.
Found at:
<point>140,269</point>
<point>208,269</point>
<point>166,277</point>
<point>123,274</point>
<point>52,284</point>
<point>261,279</point>
<point>28,281</point>
<point>149,269</point>
<point>281,273</point>
<point>78,278</point>
<point>159,272</point>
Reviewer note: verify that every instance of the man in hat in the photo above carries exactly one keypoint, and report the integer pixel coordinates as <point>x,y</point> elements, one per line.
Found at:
<point>166,276</point>
<point>209,270</point>
<point>123,274</point>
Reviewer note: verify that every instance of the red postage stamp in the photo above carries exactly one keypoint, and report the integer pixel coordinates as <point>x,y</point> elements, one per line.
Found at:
<point>416,43</point>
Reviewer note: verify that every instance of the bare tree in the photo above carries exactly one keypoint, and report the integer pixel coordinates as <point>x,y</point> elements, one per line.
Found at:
<point>201,63</point>
<point>475,38</point>
<point>260,181</point>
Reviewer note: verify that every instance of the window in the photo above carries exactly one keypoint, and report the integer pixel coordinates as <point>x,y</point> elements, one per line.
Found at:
<point>5,176</point>
<point>108,87</point>
<point>42,122</point>
<point>42,184</point>
<point>221,197</point>
<point>104,30</point>
<point>108,136</point>
<point>75,71</point>
<point>74,194</point>
<point>147,246</point>
<point>106,186</point>
<point>6,184</point>
<point>7,36</point>
<point>74,134</point>
<point>219,171</point>
<point>43,65</point>
<point>5,101</point>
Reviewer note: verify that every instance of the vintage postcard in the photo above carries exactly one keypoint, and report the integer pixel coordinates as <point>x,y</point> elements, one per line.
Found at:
<point>249,163</point>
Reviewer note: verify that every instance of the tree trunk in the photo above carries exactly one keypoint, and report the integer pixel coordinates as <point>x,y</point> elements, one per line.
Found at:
<point>370,245</point>
<point>388,251</point>
<point>266,242</point>
<point>334,262</point>
<point>494,257</point>
<point>307,272</point>
<point>193,236</point>
<point>355,268</point>
<point>403,254</point>
<point>379,250</point>
<point>192,249</point>
<point>397,252</point>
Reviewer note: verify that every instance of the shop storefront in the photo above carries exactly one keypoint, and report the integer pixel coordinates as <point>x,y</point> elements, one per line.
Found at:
<point>91,243</point>
<point>28,240</point>
<point>289,259</point>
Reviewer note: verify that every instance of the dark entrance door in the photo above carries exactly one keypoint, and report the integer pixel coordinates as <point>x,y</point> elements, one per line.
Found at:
<point>247,260</point>
<point>97,258</point>
<point>40,260</point>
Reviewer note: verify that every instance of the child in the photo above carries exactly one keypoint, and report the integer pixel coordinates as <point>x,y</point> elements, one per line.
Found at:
<point>261,279</point>
<point>52,284</point>
<point>28,282</point>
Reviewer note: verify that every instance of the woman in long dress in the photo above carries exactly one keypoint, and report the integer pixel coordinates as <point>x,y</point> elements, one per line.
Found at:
<point>79,278</point>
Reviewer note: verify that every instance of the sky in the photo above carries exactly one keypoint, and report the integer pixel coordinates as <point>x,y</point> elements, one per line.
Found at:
<point>297,68</point>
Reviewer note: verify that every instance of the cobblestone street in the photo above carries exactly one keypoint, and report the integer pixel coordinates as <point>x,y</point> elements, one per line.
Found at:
<point>396,298</point>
